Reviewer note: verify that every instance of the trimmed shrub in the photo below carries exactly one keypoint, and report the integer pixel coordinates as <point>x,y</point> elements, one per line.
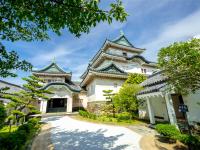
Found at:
<point>192,141</point>
<point>17,139</point>
<point>167,130</point>
<point>104,118</point>
<point>123,116</point>
<point>83,113</point>
<point>87,114</point>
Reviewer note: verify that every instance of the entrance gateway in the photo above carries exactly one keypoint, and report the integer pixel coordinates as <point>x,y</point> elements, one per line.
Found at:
<point>63,96</point>
<point>57,105</point>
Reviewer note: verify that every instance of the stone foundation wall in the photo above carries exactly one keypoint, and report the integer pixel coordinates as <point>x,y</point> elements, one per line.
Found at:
<point>95,107</point>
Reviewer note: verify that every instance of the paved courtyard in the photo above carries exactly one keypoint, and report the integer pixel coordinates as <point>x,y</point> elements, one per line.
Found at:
<point>70,134</point>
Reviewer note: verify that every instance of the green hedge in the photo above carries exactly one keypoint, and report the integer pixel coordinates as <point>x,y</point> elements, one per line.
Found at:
<point>106,118</point>
<point>123,116</point>
<point>171,132</point>
<point>87,114</point>
<point>17,140</point>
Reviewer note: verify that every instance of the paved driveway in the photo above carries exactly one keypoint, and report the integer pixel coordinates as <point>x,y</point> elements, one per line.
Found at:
<point>70,134</point>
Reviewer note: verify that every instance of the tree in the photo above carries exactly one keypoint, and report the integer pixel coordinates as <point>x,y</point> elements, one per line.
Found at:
<point>32,19</point>
<point>109,96</point>
<point>10,61</point>
<point>23,103</point>
<point>135,78</point>
<point>181,64</point>
<point>125,100</point>
<point>2,114</point>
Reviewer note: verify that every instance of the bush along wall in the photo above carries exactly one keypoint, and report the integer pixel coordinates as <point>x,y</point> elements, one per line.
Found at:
<point>18,139</point>
<point>171,132</point>
<point>121,117</point>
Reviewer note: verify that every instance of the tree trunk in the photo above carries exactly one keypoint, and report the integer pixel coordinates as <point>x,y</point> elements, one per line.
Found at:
<point>113,110</point>
<point>10,126</point>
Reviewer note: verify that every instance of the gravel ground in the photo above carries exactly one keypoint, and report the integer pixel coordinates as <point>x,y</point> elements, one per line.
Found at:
<point>70,134</point>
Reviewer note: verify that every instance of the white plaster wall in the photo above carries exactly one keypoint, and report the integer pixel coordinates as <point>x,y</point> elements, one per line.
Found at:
<point>159,107</point>
<point>106,84</point>
<point>143,110</point>
<point>91,95</point>
<point>120,52</point>
<point>130,67</point>
<point>43,106</point>
<point>193,103</point>
<point>84,99</point>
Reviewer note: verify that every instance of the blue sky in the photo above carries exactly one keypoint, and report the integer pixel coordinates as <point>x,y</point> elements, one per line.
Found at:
<point>151,24</point>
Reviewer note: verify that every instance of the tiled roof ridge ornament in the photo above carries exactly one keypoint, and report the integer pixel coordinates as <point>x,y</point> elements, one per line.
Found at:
<point>121,32</point>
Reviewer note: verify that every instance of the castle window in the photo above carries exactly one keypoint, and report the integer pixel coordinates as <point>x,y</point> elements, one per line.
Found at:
<point>143,70</point>
<point>125,54</point>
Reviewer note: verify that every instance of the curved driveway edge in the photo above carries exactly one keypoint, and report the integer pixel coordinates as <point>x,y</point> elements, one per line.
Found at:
<point>71,134</point>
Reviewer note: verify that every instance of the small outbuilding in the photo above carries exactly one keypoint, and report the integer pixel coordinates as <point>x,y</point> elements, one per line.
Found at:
<point>159,102</point>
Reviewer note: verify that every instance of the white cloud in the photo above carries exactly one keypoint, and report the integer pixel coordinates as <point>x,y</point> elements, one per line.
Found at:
<point>181,30</point>
<point>79,70</point>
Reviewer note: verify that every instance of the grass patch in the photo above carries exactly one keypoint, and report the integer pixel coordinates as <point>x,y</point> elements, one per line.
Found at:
<point>20,137</point>
<point>110,121</point>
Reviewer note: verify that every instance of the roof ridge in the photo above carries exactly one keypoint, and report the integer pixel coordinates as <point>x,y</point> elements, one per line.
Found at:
<point>11,84</point>
<point>141,57</point>
<point>50,65</point>
<point>64,83</point>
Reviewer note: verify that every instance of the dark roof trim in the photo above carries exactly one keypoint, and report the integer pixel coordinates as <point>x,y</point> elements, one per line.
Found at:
<point>153,88</point>
<point>140,57</point>
<point>74,89</point>
<point>100,50</point>
<point>49,66</point>
<point>112,65</point>
<point>119,38</point>
<point>11,84</point>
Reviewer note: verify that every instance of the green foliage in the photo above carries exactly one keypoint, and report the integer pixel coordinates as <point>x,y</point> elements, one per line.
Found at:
<point>83,113</point>
<point>123,116</point>
<point>110,105</point>
<point>167,130</point>
<point>108,94</point>
<point>87,114</point>
<point>171,132</point>
<point>125,100</point>
<point>181,64</point>
<point>9,61</point>
<point>32,19</point>
<point>135,78</point>
<point>2,115</point>
<point>17,139</point>
<point>190,140</point>
<point>25,99</point>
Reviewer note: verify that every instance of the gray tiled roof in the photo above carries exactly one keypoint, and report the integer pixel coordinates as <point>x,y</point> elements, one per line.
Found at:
<point>73,87</point>
<point>154,83</point>
<point>111,68</point>
<point>53,68</point>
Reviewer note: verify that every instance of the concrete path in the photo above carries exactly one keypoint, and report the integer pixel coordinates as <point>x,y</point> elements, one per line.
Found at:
<point>70,134</point>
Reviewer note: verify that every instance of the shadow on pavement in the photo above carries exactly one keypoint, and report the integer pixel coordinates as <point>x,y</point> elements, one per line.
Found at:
<point>86,140</point>
<point>52,118</point>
